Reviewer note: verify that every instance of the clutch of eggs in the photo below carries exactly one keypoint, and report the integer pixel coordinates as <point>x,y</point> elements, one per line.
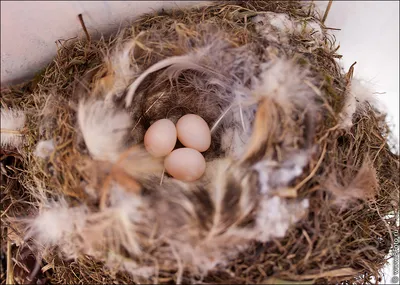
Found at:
<point>186,164</point>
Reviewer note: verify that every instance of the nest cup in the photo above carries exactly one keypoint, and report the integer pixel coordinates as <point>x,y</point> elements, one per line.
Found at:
<point>300,183</point>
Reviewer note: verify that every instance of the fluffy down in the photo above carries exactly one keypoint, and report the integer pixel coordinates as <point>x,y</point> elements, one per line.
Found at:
<point>56,224</point>
<point>283,81</point>
<point>279,27</point>
<point>12,122</point>
<point>123,68</point>
<point>357,95</point>
<point>103,129</point>
<point>44,148</point>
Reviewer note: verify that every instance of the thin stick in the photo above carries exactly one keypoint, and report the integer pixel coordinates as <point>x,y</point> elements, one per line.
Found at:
<point>312,173</point>
<point>148,109</point>
<point>220,118</point>
<point>180,265</point>
<point>10,272</point>
<point>241,117</point>
<point>349,74</point>
<point>84,27</point>
<point>327,11</point>
<point>162,176</point>
<point>7,131</point>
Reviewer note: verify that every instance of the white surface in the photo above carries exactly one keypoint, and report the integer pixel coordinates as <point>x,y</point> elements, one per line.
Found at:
<point>370,35</point>
<point>29,29</point>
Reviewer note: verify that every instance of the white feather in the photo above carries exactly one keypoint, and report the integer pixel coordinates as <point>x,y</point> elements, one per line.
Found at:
<point>311,27</point>
<point>217,194</point>
<point>274,26</point>
<point>124,69</point>
<point>77,230</point>
<point>120,263</point>
<point>103,129</point>
<point>274,175</point>
<point>277,27</point>
<point>238,123</point>
<point>276,216</point>
<point>283,81</point>
<point>235,137</point>
<point>56,223</point>
<point>176,65</point>
<point>44,148</point>
<point>358,94</point>
<point>12,121</point>
<point>184,59</point>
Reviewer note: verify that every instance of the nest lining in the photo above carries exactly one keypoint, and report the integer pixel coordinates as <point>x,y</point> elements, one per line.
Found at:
<point>348,175</point>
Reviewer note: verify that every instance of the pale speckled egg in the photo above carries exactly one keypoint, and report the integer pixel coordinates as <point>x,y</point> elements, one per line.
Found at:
<point>193,132</point>
<point>185,164</point>
<point>160,138</point>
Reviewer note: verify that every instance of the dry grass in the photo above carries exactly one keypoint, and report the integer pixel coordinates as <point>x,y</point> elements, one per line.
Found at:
<point>333,244</point>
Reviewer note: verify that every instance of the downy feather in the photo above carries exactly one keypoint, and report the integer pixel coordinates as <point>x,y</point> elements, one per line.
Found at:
<point>357,95</point>
<point>12,122</point>
<point>103,129</point>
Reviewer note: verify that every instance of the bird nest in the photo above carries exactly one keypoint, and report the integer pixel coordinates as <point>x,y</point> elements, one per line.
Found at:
<point>300,184</point>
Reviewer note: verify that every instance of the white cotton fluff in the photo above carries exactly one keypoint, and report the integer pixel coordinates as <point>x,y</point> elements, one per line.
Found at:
<point>310,27</point>
<point>358,94</point>
<point>44,149</point>
<point>123,67</point>
<point>117,222</point>
<point>284,82</point>
<point>103,128</point>
<point>120,263</point>
<point>234,138</point>
<point>273,175</point>
<point>12,122</point>
<point>276,216</point>
<point>77,230</point>
<point>56,223</point>
<point>274,27</point>
<point>277,27</point>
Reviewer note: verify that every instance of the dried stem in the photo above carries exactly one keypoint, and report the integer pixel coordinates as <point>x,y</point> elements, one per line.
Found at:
<point>84,27</point>
<point>327,11</point>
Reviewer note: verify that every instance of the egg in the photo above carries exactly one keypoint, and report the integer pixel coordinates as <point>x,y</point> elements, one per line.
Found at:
<point>193,132</point>
<point>160,138</point>
<point>185,164</point>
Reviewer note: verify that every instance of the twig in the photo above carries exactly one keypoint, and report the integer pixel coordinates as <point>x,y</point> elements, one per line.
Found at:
<point>241,117</point>
<point>10,271</point>
<point>334,29</point>
<point>349,74</point>
<point>327,11</point>
<point>84,27</point>
<point>318,92</point>
<point>180,265</point>
<point>148,109</point>
<point>220,118</point>
<point>7,131</point>
<point>310,246</point>
<point>311,175</point>
<point>162,176</point>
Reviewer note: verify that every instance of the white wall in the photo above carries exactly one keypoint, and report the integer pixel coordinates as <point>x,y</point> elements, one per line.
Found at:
<point>29,29</point>
<point>370,35</point>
